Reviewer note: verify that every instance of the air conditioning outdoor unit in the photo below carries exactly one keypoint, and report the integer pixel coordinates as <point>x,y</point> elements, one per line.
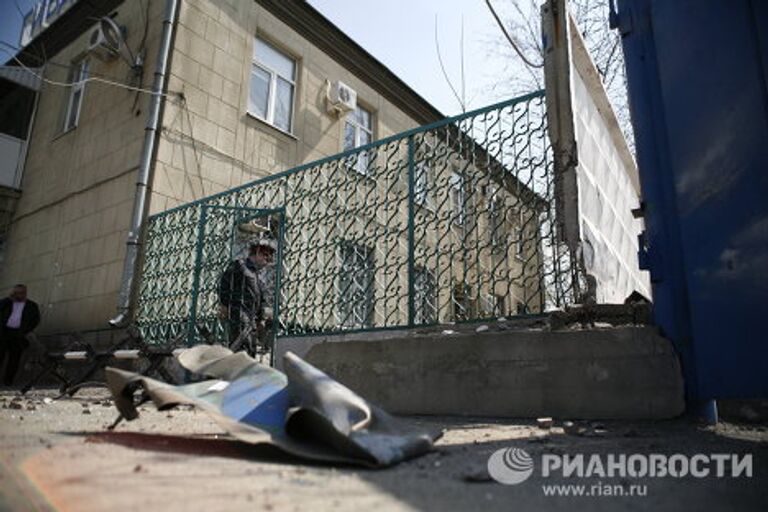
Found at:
<point>341,98</point>
<point>103,45</point>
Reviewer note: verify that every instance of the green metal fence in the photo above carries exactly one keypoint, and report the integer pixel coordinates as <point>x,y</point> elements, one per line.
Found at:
<point>450,222</point>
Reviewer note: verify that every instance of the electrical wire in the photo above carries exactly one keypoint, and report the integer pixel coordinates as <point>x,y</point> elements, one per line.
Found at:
<point>509,38</point>
<point>89,79</point>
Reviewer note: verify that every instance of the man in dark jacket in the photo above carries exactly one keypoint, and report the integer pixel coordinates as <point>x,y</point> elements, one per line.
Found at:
<point>19,316</point>
<point>242,294</point>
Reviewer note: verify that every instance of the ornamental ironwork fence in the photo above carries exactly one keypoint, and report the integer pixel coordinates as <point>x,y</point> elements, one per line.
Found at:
<point>450,222</point>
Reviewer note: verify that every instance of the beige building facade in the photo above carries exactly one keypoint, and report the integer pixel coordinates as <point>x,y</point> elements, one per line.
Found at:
<point>246,96</point>
<point>68,231</point>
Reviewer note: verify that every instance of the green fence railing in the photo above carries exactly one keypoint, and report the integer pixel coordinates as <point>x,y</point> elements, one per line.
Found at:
<point>450,222</point>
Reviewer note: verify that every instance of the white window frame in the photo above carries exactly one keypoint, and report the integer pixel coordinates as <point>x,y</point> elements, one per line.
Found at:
<point>458,198</point>
<point>422,176</point>
<point>496,224</point>
<point>356,162</point>
<point>271,91</point>
<point>78,76</point>
<point>519,233</point>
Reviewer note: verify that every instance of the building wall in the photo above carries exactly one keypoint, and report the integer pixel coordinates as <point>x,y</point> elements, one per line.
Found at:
<point>67,240</point>
<point>209,142</point>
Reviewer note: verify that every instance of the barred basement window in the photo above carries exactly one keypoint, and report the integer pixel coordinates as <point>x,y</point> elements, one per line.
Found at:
<point>77,78</point>
<point>462,304</point>
<point>425,296</point>
<point>273,81</point>
<point>356,284</point>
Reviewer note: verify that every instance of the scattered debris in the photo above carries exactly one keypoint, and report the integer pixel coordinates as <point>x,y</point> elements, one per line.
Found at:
<point>47,400</point>
<point>31,407</point>
<point>572,429</point>
<point>477,475</point>
<point>448,332</point>
<point>86,411</point>
<point>481,328</point>
<point>137,468</point>
<point>544,423</point>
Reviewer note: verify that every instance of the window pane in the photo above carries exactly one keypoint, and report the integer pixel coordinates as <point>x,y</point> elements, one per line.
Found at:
<point>283,102</point>
<point>257,99</point>
<point>273,58</point>
<point>349,136</point>
<point>83,71</point>
<point>363,118</point>
<point>73,109</point>
<point>421,183</point>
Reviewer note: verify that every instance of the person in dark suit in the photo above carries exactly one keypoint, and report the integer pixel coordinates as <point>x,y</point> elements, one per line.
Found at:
<point>19,316</point>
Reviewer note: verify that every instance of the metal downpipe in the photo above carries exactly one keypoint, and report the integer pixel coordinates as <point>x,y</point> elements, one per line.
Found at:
<point>133,243</point>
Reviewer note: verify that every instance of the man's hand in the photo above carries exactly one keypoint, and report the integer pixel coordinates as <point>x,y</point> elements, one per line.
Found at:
<point>223,312</point>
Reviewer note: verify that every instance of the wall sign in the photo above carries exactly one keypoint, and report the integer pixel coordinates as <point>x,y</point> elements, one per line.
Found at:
<point>40,17</point>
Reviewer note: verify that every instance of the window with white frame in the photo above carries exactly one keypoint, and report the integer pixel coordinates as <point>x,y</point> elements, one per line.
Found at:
<point>458,199</point>
<point>422,174</point>
<point>77,78</point>
<point>519,243</point>
<point>358,131</point>
<point>273,84</point>
<point>496,221</point>
<point>519,234</point>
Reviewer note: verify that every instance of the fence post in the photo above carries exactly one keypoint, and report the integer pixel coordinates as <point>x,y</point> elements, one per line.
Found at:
<point>278,283</point>
<point>411,232</point>
<point>196,276</point>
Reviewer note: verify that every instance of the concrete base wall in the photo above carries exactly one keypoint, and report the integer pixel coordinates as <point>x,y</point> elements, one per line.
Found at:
<point>616,373</point>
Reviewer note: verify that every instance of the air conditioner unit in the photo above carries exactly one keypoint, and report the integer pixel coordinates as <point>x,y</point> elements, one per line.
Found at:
<point>341,98</point>
<point>102,45</point>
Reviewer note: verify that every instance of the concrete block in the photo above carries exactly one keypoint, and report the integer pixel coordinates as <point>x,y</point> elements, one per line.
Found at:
<point>621,373</point>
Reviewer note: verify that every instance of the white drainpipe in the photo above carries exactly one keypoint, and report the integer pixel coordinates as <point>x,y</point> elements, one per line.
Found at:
<point>128,281</point>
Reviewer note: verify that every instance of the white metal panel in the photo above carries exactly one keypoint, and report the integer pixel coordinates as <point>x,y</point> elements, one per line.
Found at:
<point>608,187</point>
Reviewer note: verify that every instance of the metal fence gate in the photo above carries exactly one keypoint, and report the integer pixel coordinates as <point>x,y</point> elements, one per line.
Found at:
<point>450,222</point>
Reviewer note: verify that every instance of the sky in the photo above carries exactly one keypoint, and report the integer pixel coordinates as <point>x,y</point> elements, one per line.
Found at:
<point>400,34</point>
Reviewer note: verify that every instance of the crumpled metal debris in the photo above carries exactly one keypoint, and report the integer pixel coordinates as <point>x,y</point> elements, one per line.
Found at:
<point>302,411</point>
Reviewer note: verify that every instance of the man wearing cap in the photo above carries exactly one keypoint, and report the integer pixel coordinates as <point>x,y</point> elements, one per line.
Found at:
<point>242,294</point>
<point>18,318</point>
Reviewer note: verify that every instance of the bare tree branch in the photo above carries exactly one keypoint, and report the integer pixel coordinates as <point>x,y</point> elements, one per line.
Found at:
<point>512,42</point>
<point>445,73</point>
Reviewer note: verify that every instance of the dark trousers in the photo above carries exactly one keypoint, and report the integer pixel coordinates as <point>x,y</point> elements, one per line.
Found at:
<point>242,330</point>
<point>13,343</point>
